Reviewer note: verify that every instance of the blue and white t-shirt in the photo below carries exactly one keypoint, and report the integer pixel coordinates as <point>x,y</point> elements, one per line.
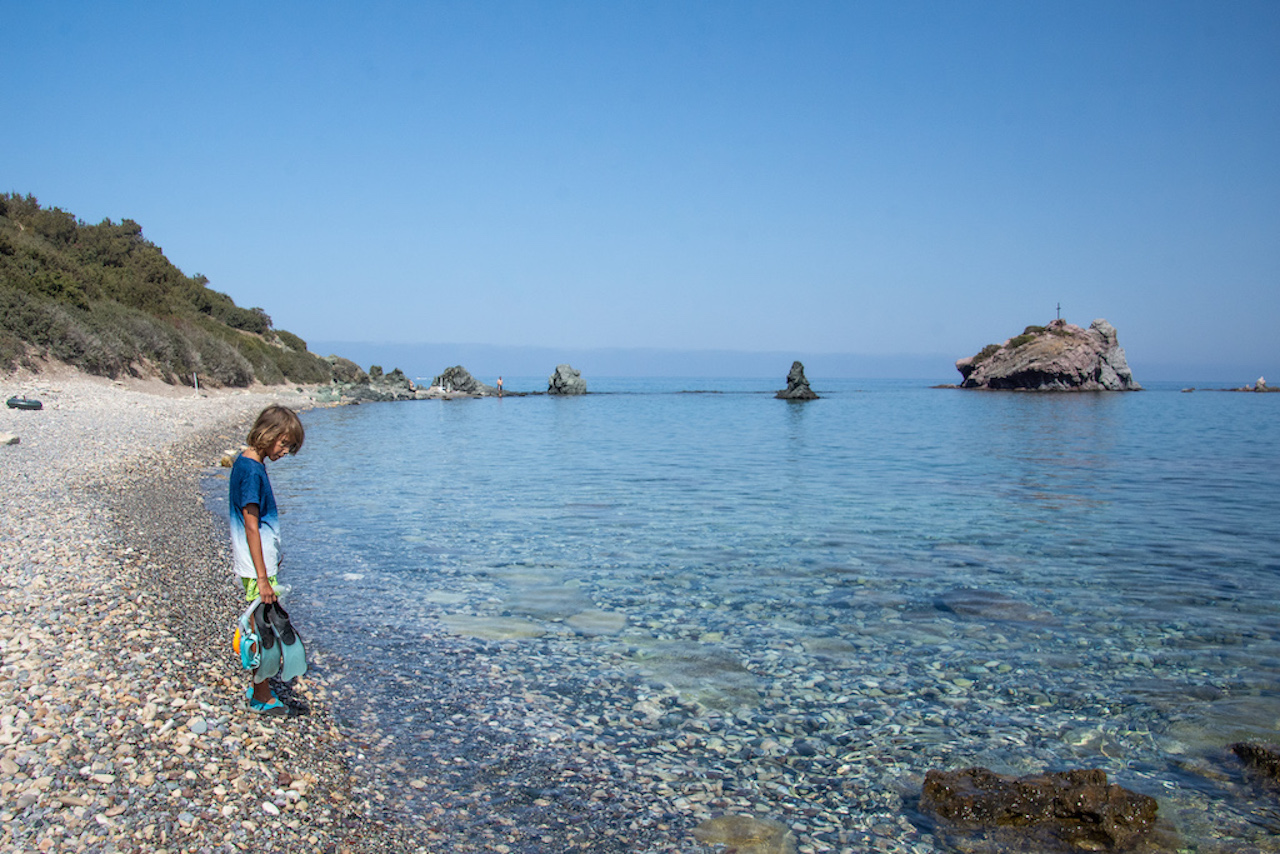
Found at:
<point>249,485</point>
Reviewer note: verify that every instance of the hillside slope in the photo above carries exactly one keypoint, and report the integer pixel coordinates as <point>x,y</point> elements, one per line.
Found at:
<point>106,300</point>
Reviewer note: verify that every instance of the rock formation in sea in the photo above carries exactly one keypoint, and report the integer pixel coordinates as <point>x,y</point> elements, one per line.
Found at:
<point>351,384</point>
<point>797,386</point>
<point>1057,357</point>
<point>458,380</point>
<point>1067,811</point>
<point>566,380</point>
<point>1259,386</point>
<point>345,371</point>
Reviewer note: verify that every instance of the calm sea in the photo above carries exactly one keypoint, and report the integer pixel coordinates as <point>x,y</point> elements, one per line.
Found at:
<point>748,605</point>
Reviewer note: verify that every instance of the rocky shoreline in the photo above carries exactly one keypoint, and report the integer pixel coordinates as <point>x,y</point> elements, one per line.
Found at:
<point>121,727</point>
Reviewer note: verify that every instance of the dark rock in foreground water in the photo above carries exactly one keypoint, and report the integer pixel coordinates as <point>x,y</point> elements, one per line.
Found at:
<point>1057,357</point>
<point>797,386</point>
<point>1065,811</point>
<point>1262,760</point>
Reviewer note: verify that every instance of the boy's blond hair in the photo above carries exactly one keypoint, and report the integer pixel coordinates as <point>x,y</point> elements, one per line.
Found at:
<point>274,422</point>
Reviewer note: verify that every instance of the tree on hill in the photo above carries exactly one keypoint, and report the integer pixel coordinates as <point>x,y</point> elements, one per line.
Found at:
<point>105,299</point>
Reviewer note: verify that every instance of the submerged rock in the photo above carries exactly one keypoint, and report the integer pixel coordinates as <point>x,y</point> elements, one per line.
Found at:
<point>492,628</point>
<point>566,380</point>
<point>1065,811</point>
<point>1057,357</point>
<point>797,386</point>
<point>990,605</point>
<point>746,835</point>
<point>594,622</point>
<point>1262,761</point>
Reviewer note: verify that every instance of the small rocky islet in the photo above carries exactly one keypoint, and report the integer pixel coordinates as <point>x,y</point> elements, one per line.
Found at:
<point>1060,356</point>
<point>1056,357</point>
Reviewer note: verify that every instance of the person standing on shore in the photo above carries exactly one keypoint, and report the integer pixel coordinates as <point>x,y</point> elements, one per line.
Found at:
<point>499,386</point>
<point>255,527</point>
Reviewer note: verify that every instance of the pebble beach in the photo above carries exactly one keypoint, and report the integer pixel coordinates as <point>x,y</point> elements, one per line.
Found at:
<point>122,722</point>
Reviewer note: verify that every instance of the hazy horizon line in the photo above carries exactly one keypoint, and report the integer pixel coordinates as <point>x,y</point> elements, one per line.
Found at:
<point>483,360</point>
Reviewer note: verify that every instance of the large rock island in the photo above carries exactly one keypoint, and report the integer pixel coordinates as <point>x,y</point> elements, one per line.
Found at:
<point>1057,357</point>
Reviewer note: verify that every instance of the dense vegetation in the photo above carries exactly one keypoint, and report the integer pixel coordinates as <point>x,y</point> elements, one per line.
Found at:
<point>106,300</point>
<point>1028,335</point>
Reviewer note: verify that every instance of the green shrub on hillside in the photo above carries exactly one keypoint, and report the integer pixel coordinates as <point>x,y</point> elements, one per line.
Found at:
<point>65,332</point>
<point>106,300</point>
<point>293,342</point>
<point>985,353</point>
<point>11,350</point>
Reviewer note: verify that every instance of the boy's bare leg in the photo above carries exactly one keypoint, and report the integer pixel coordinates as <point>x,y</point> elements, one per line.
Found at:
<point>262,690</point>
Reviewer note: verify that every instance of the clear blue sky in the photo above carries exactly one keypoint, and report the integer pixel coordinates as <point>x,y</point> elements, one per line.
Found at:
<point>855,177</point>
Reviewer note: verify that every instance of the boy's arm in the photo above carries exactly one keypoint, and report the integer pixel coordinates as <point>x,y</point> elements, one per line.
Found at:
<point>254,538</point>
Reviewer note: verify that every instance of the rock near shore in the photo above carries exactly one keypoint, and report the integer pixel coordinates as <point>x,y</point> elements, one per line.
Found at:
<point>458,380</point>
<point>352,385</point>
<point>1066,811</point>
<point>1057,357</point>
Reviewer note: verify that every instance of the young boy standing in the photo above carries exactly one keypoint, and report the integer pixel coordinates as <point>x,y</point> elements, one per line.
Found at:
<point>255,527</point>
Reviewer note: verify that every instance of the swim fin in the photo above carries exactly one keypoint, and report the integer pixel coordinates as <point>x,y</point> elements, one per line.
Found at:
<point>246,640</point>
<point>293,655</point>
<point>269,654</point>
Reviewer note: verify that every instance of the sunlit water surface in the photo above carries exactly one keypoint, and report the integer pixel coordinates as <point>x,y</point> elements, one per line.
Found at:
<point>935,578</point>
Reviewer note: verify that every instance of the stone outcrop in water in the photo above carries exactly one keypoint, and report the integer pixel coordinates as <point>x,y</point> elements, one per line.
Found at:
<point>352,385</point>
<point>797,386</point>
<point>1057,357</point>
<point>566,380</point>
<point>1259,386</point>
<point>346,372</point>
<point>1067,811</point>
<point>458,380</point>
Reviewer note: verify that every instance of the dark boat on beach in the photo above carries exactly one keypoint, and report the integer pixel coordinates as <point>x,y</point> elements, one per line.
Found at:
<point>23,403</point>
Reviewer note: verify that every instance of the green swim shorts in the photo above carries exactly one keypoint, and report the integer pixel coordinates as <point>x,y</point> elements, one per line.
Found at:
<point>251,587</point>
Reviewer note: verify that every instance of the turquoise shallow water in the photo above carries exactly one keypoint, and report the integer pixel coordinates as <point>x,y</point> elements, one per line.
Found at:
<point>929,577</point>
